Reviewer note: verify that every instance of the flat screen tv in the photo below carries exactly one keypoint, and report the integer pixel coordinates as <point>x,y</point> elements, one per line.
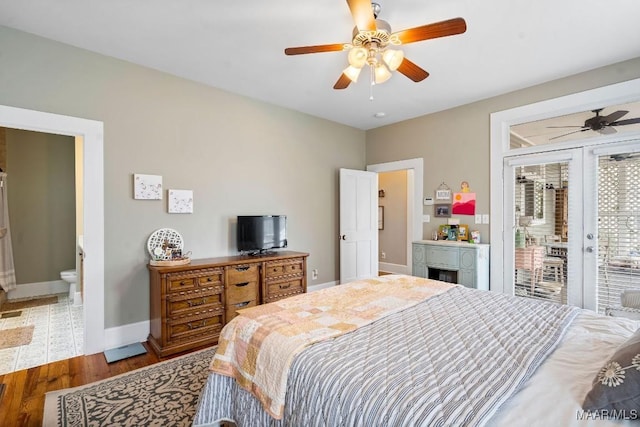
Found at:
<point>260,233</point>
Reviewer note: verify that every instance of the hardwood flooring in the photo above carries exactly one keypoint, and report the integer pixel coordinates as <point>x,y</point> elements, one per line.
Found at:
<point>22,402</point>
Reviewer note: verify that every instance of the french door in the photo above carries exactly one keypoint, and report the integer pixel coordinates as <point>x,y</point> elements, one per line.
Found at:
<point>572,224</point>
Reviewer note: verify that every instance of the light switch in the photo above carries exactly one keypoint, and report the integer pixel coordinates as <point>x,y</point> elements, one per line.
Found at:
<point>478,218</point>
<point>426,218</point>
<point>485,218</point>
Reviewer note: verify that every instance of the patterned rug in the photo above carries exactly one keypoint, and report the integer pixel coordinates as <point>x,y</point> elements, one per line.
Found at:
<point>164,394</point>
<point>15,337</point>
<point>19,305</point>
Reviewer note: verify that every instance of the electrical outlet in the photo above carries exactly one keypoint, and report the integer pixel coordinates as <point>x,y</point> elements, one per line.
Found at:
<point>485,218</point>
<point>383,255</point>
<point>314,274</point>
<point>426,218</point>
<point>478,218</point>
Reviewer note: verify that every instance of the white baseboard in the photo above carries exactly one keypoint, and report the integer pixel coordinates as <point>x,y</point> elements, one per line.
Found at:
<point>319,286</point>
<point>394,268</point>
<point>126,334</point>
<point>30,290</point>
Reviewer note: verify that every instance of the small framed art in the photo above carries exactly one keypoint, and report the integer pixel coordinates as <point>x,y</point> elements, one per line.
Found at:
<point>442,210</point>
<point>463,232</point>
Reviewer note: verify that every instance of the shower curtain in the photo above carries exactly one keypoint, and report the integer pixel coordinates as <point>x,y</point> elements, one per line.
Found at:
<point>7,271</point>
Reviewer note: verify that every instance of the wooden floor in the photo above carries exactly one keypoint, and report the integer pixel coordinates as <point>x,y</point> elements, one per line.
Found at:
<point>22,400</point>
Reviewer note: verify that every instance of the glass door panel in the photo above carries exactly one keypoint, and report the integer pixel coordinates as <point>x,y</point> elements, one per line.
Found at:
<point>618,217</point>
<point>541,230</point>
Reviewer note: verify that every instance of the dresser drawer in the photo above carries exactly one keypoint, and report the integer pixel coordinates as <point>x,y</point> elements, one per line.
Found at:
<point>242,274</point>
<point>241,292</point>
<point>191,279</point>
<point>188,327</point>
<point>283,289</point>
<point>232,309</point>
<point>194,301</point>
<point>182,284</point>
<point>284,268</point>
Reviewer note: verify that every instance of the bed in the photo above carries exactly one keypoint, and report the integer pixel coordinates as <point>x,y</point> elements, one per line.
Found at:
<point>400,350</point>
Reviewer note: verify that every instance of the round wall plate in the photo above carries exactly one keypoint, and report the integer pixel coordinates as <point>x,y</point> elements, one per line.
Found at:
<point>164,237</point>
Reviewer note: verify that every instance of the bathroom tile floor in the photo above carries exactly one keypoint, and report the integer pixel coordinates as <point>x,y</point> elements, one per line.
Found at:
<point>58,335</point>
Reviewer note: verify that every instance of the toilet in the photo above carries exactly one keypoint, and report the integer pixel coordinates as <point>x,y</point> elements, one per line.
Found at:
<point>71,277</point>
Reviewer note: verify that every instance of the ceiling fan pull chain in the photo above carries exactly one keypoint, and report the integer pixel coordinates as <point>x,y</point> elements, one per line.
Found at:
<point>373,82</point>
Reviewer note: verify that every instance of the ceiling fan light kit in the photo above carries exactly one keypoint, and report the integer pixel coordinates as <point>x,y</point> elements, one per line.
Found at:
<point>370,44</point>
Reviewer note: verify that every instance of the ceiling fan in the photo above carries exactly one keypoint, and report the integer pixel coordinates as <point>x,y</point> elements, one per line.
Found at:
<point>602,124</point>
<point>372,39</point>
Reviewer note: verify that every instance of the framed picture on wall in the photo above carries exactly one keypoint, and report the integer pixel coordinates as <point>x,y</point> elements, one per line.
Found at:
<point>442,210</point>
<point>380,217</point>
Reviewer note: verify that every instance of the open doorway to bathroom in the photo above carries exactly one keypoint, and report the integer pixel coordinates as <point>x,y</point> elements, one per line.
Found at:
<point>42,321</point>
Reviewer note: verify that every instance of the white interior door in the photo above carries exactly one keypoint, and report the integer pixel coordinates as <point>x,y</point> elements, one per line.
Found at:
<point>358,225</point>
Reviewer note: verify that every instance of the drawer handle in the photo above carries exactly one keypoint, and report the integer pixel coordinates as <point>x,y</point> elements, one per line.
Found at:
<point>242,284</point>
<point>209,279</point>
<point>192,326</point>
<point>242,304</point>
<point>182,283</point>
<point>293,267</point>
<point>287,286</point>
<point>195,304</point>
<point>243,268</point>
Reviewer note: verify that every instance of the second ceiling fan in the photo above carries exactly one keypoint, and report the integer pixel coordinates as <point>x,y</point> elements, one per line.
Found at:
<point>372,41</point>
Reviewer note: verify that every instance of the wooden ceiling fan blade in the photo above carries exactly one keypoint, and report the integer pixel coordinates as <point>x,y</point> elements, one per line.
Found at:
<point>615,116</point>
<point>314,49</point>
<point>342,82</point>
<point>412,71</point>
<point>449,27</point>
<point>626,122</point>
<point>362,14</point>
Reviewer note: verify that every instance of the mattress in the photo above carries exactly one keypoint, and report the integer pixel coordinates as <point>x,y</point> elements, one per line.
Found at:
<point>334,382</point>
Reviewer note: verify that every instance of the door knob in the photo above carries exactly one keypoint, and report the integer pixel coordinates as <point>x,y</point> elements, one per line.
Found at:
<point>590,236</point>
<point>589,249</point>
<point>343,237</point>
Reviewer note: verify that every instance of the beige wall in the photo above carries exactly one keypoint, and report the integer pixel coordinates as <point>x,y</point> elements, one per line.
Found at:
<point>392,240</point>
<point>239,156</point>
<point>41,198</point>
<point>455,143</point>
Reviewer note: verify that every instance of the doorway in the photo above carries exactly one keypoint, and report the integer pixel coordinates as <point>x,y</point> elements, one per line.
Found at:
<point>581,160</point>
<point>415,174</point>
<point>89,134</point>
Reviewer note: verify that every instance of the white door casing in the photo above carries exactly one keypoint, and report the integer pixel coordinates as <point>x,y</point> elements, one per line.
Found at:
<point>91,132</point>
<point>358,225</point>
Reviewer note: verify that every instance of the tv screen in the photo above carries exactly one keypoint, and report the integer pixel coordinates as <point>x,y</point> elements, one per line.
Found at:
<point>259,233</point>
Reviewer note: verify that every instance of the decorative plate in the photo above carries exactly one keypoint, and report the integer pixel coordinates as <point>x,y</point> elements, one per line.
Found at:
<point>161,240</point>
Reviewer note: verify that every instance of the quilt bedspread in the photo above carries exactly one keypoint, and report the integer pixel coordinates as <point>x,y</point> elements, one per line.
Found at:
<point>257,347</point>
<point>452,359</point>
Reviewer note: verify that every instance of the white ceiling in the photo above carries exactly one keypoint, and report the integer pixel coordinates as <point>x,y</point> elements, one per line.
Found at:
<point>238,46</point>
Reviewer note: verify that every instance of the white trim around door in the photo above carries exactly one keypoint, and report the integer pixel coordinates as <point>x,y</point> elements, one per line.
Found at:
<point>91,134</point>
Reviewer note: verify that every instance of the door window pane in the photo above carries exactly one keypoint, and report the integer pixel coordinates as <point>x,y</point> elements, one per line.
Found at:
<point>618,231</point>
<point>541,236</point>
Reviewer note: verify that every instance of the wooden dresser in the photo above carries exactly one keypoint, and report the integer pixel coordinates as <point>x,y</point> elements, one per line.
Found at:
<point>191,303</point>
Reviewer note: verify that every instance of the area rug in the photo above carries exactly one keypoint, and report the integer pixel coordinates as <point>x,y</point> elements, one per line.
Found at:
<point>15,337</point>
<point>36,302</point>
<point>164,394</point>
